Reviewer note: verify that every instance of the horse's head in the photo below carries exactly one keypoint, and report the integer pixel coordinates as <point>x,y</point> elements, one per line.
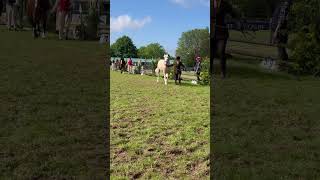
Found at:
<point>166,57</point>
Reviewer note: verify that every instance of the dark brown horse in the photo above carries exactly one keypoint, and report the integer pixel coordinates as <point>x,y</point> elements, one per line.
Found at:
<point>37,11</point>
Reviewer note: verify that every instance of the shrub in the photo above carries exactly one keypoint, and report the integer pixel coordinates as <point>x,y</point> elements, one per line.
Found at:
<point>305,23</point>
<point>306,53</point>
<point>205,71</point>
<point>138,69</point>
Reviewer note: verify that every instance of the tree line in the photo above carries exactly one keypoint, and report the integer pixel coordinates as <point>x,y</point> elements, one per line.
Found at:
<point>191,44</point>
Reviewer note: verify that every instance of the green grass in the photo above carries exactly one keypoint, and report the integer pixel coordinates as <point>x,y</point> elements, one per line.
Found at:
<point>258,36</point>
<point>158,131</point>
<point>52,108</point>
<point>266,124</point>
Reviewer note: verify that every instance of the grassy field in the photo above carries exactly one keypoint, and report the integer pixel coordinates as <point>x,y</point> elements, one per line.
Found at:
<point>158,131</point>
<point>266,125</point>
<point>52,108</point>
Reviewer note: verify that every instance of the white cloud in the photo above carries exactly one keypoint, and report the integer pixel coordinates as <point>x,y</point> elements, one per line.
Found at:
<point>118,24</point>
<point>205,3</point>
<point>190,3</point>
<point>183,3</point>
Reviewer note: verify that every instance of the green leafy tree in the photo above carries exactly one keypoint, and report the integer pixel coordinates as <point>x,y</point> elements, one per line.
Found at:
<point>142,52</point>
<point>153,50</point>
<point>305,26</point>
<point>192,43</point>
<point>124,47</point>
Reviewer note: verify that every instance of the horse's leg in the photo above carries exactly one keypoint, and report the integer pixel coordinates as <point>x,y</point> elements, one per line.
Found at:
<point>38,28</point>
<point>158,74</point>
<point>33,30</point>
<point>165,77</point>
<point>61,24</point>
<point>34,26</point>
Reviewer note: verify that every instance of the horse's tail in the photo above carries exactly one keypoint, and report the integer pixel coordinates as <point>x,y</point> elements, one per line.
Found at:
<point>157,71</point>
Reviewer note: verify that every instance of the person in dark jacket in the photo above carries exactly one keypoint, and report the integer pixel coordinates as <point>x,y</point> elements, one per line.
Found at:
<point>280,31</point>
<point>122,65</point>
<point>177,69</point>
<point>221,35</point>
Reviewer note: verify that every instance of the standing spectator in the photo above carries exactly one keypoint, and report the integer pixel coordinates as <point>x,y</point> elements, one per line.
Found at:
<point>18,13</point>
<point>197,67</point>
<point>130,64</point>
<point>63,8</point>
<point>117,64</point>
<point>57,20</point>
<point>11,23</point>
<point>126,65</point>
<point>142,68</point>
<point>122,65</point>
<point>113,65</point>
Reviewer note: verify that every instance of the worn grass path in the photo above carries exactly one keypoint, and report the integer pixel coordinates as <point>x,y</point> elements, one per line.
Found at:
<point>158,131</point>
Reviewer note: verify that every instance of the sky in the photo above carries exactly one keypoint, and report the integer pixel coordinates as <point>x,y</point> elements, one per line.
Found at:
<point>157,21</point>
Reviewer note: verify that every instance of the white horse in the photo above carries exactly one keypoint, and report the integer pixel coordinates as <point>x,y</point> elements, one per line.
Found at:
<point>162,66</point>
